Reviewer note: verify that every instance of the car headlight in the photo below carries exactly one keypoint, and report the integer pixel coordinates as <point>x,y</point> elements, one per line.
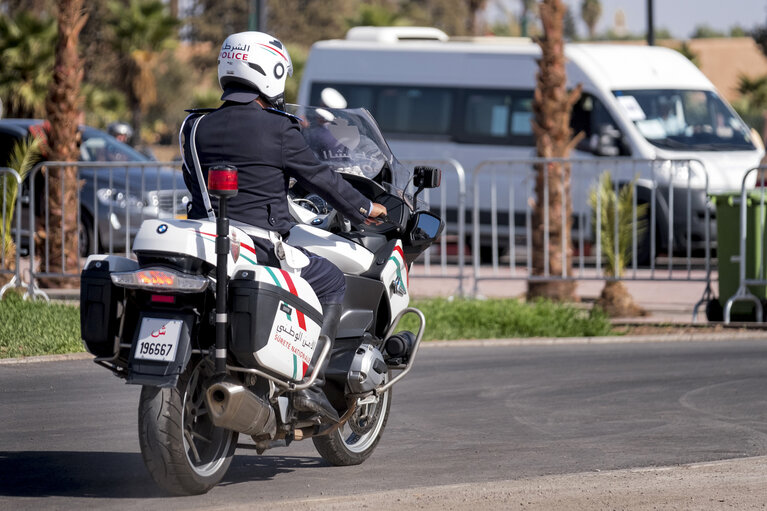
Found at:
<point>119,199</point>
<point>681,173</point>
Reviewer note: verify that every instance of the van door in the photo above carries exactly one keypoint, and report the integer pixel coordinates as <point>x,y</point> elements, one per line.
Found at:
<point>602,137</point>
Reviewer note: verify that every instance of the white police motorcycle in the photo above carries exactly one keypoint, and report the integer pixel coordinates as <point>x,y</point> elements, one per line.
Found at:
<point>219,342</point>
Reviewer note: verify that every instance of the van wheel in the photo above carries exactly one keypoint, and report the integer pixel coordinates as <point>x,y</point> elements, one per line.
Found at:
<point>714,310</point>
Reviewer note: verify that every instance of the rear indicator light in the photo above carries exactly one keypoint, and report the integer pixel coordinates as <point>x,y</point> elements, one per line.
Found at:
<point>160,279</point>
<point>155,278</point>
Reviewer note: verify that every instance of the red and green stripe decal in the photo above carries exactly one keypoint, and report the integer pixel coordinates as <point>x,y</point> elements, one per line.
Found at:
<point>272,50</point>
<point>299,315</point>
<point>292,288</point>
<point>400,267</point>
<point>212,238</point>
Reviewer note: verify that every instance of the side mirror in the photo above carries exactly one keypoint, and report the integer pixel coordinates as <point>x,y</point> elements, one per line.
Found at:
<point>426,228</point>
<point>605,143</point>
<point>427,177</point>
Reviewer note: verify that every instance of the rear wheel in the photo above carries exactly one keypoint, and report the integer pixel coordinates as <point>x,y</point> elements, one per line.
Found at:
<point>356,440</point>
<point>184,452</point>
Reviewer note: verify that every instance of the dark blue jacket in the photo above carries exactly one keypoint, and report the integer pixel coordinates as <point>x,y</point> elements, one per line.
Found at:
<point>267,148</point>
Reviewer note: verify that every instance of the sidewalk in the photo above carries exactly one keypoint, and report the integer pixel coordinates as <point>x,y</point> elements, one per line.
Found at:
<point>665,301</point>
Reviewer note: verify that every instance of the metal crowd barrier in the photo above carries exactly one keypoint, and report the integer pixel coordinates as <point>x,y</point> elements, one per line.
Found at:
<point>453,191</point>
<point>514,181</point>
<point>743,292</point>
<point>114,198</point>
<point>7,231</point>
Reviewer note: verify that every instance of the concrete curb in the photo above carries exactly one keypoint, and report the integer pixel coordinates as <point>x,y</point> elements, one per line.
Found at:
<point>45,358</point>
<point>475,343</point>
<point>613,339</point>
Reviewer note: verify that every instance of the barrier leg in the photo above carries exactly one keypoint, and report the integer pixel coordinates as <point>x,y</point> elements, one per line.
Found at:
<point>743,294</point>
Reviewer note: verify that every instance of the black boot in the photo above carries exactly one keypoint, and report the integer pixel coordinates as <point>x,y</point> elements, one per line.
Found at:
<point>314,399</point>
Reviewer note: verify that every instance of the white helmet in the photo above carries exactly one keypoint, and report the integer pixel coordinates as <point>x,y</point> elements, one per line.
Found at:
<point>253,60</point>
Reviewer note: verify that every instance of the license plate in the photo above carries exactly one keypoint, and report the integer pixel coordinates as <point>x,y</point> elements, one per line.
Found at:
<point>158,339</point>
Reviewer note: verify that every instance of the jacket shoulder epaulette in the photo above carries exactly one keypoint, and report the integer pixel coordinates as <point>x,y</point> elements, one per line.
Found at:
<point>199,110</point>
<point>283,113</point>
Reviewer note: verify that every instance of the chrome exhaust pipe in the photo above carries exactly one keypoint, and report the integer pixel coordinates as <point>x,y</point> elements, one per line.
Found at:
<point>234,407</point>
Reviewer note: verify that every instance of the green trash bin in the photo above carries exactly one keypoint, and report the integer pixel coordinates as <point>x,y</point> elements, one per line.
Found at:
<point>728,246</point>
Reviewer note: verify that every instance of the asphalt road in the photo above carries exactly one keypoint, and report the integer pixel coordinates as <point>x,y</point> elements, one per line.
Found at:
<point>68,434</point>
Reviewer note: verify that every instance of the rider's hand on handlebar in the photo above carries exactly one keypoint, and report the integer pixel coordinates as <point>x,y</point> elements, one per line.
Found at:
<point>377,214</point>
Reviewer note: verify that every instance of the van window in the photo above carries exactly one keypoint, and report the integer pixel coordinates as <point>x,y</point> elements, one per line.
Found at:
<point>472,116</point>
<point>685,120</point>
<point>398,109</point>
<point>497,117</point>
<point>420,110</point>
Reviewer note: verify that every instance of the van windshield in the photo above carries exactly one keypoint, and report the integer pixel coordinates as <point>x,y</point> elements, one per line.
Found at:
<point>685,120</point>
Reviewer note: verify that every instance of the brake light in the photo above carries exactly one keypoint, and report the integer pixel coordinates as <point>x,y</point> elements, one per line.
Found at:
<point>160,279</point>
<point>222,181</point>
<point>163,298</point>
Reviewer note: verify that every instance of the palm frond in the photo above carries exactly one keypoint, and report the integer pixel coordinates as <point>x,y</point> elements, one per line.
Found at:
<point>615,206</point>
<point>24,155</point>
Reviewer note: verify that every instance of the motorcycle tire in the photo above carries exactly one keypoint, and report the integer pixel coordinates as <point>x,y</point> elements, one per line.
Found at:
<point>357,438</point>
<point>182,449</point>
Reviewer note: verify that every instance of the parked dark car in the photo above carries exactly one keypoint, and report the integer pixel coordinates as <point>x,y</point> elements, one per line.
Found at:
<point>115,197</point>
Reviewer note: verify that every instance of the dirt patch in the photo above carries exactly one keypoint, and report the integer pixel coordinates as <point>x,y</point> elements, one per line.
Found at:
<point>727,484</point>
<point>670,328</point>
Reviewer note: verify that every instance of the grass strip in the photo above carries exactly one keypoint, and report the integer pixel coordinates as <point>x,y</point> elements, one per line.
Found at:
<point>30,328</point>
<point>38,328</point>
<point>505,318</point>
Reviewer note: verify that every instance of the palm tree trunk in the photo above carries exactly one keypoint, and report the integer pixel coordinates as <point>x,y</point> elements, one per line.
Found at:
<point>62,106</point>
<point>552,104</point>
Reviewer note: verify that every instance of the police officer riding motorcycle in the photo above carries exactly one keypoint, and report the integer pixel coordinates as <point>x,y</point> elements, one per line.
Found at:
<point>252,132</point>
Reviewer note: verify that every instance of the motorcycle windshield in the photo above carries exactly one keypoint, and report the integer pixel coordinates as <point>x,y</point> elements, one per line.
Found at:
<point>350,141</point>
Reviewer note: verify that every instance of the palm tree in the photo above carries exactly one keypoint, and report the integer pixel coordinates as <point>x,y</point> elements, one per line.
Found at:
<point>591,11</point>
<point>552,103</point>
<point>62,105</point>
<point>753,90</point>
<point>473,21</point>
<point>140,31</point>
<point>27,51</point>
<point>528,12</point>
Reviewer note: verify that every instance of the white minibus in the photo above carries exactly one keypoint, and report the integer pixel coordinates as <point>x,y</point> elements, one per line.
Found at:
<point>471,100</point>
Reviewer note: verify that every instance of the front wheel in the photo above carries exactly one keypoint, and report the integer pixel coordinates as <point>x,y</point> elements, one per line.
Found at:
<point>184,452</point>
<point>355,441</point>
